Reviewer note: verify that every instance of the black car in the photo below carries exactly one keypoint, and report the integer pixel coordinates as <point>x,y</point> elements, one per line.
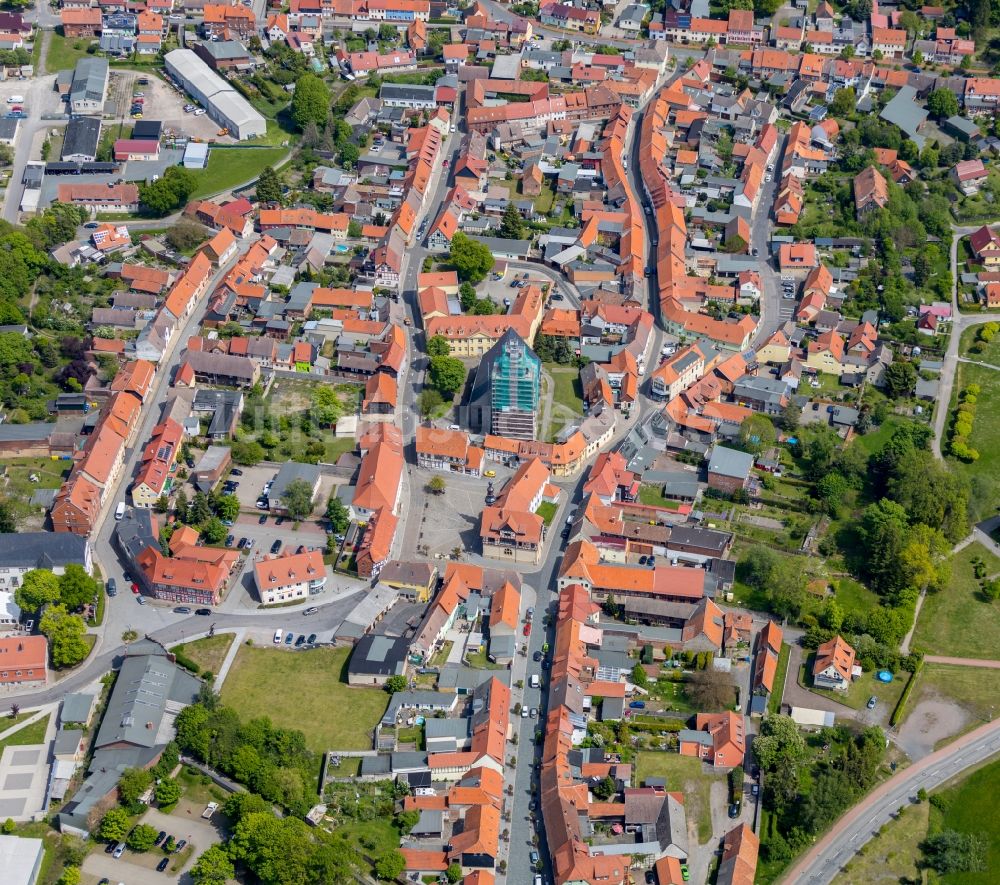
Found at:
<point>312,639</point>
<point>536,657</point>
<point>280,520</point>
<point>289,638</point>
<point>203,611</point>
<point>262,520</point>
<point>110,847</point>
<point>162,865</point>
<point>734,810</point>
<point>276,547</point>
<point>236,472</point>
<point>181,610</point>
<point>300,641</point>
<point>160,837</point>
<point>230,540</point>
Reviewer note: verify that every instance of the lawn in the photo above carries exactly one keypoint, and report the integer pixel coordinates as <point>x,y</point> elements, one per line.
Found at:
<point>30,734</point>
<point>207,653</point>
<point>872,442</point>
<point>567,391</point>
<point>9,721</point>
<point>990,353</point>
<point>307,690</point>
<point>957,621</point>
<point>971,808</point>
<point>853,597</point>
<point>50,473</point>
<point>230,167</point>
<point>479,661</point>
<point>651,496</point>
<point>985,438</point>
<point>547,511</point>
<point>861,689</point>
<point>889,858</point>
<point>671,695</point>
<point>975,690</point>
<point>686,774</point>
<point>543,202</point>
<point>774,702</point>
<point>63,53</point>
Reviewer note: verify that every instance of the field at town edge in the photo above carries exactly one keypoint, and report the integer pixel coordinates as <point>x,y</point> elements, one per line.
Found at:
<point>306,690</point>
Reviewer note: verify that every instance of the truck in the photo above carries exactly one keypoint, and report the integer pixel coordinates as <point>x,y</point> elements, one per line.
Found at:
<point>210,809</point>
<point>534,680</point>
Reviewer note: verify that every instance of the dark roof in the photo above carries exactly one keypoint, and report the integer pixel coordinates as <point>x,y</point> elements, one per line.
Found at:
<point>82,135</point>
<point>147,129</point>
<point>379,656</point>
<point>42,550</point>
<point>136,531</point>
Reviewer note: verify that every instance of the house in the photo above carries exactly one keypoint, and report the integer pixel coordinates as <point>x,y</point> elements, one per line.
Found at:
<point>797,258</point>
<point>24,551</point>
<point>23,660</point>
<point>81,139</point>
<point>376,659</point>
<point>81,21</point>
<point>375,548</point>
<point>511,528</point>
<point>765,666</point>
<point>738,864</point>
<point>729,470</point>
<point>871,192</point>
<point>834,665</point>
<point>985,245</point>
<point>414,580</point>
<point>718,739</point>
<point>119,198</point>
<point>126,149</point>
<point>969,175</point>
<point>289,577</point>
<point>288,473</point>
<point>156,467</point>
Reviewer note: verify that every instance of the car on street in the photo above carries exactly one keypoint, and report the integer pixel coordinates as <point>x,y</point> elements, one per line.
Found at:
<point>534,712</point>
<point>527,629</point>
<point>489,474</point>
<point>312,610</point>
<point>182,610</point>
<point>204,612</point>
<point>872,701</point>
<point>289,638</point>
<point>533,857</point>
<point>162,865</point>
<point>262,520</point>
<point>536,657</point>
<point>112,587</point>
<point>275,547</point>
<point>685,872</point>
<point>280,520</point>
<point>524,712</point>
<point>236,472</point>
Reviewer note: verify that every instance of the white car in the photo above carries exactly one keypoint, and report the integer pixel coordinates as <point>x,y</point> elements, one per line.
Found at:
<point>200,112</point>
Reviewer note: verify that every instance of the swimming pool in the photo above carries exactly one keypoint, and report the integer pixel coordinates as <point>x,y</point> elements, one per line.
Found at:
<point>340,247</point>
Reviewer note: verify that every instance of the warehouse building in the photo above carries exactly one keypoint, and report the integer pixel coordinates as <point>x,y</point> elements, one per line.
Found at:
<point>81,139</point>
<point>223,103</point>
<point>89,86</point>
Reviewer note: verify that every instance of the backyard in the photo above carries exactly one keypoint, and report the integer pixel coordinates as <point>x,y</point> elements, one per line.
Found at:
<point>64,52</point>
<point>780,674</point>
<point>860,690</point>
<point>307,690</point>
<point>959,621</point>
<point>686,774</point>
<point>30,734</point>
<point>230,167</point>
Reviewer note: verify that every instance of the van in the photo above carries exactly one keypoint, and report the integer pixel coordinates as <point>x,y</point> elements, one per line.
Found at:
<point>534,680</point>
<point>16,99</point>
<point>112,587</point>
<point>120,510</point>
<point>277,637</point>
<point>119,850</point>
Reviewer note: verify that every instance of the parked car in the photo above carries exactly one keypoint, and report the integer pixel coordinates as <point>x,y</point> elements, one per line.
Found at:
<point>872,701</point>
<point>236,472</point>
<point>262,520</point>
<point>141,600</point>
<point>162,865</point>
<point>312,610</point>
<point>300,641</point>
<point>230,540</point>
<point>204,612</point>
<point>180,845</point>
<point>112,587</point>
<point>160,837</point>
<point>638,705</point>
<point>276,547</point>
<point>527,629</point>
<point>289,638</point>
<point>182,610</point>
<point>312,639</point>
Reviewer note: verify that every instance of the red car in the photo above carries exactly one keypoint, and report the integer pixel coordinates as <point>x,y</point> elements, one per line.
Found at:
<point>135,588</point>
<point>527,629</point>
<point>446,163</point>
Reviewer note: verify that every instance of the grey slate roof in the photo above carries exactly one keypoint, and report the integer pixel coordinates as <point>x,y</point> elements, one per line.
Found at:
<point>730,462</point>
<point>42,549</point>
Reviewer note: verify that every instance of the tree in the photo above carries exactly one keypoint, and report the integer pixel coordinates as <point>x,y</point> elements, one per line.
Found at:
<point>270,187</point>
<point>76,587</point>
<point>349,154</point>
<point>65,633</point>
<point>186,235</point>
<point>447,374</point>
<point>395,683</point>
<point>844,102</point>
<point>471,259</point>
<point>454,873</point>
<point>779,740</point>
<point>467,298</point>
<point>604,789</point>
<point>298,499</point>
<point>710,689</point>
<point>114,825</point>
<point>247,453</point>
<point>38,587</point>
<point>142,838</point>
<point>407,820</point>
<point>213,867</point>
<point>758,566</point>
<point>70,876</point>
<point>227,507</point>
<point>791,416</point>
<point>132,784</point>
<point>942,104</point>
<point>900,377</point>
<point>757,434</point>
<point>213,530</point>
<point>430,401</point>
<point>326,406</point>
<point>337,515</point>
<point>438,345</point>
<point>169,192</point>
<point>310,101</point>
<point>436,485</point>
<point>639,677</point>
<point>391,865</point>
<point>511,225</point>
<point>354,229</point>
<point>168,791</point>
<point>952,852</point>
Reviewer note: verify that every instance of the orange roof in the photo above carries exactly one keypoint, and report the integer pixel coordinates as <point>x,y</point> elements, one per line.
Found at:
<point>835,653</point>
<point>452,444</point>
<point>90,15</point>
<point>23,652</point>
<point>102,453</point>
<point>505,606</point>
<point>739,857</point>
<point>293,568</point>
<point>378,481</point>
<point>380,388</point>
<point>220,243</point>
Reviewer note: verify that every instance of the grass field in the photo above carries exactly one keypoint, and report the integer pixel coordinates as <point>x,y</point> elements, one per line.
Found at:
<point>228,168</point>
<point>63,53</point>
<point>30,734</point>
<point>985,437</point>
<point>861,689</point>
<point>890,858</point>
<point>972,809</point>
<point>207,653</point>
<point>651,496</point>
<point>956,621</point>
<point>774,702</point>
<point>567,391</point>
<point>547,511</point>
<point>307,690</point>
<point>684,773</point>
<point>975,690</point>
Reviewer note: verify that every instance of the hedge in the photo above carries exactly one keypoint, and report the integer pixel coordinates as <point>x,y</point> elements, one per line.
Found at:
<point>897,713</point>
<point>187,663</point>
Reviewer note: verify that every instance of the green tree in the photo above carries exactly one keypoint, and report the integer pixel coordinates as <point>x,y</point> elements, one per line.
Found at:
<point>391,865</point>
<point>185,235</point>
<point>447,374</point>
<point>132,784</point>
<point>511,225</point>
<point>436,484</point>
<point>270,187</point>
<point>227,507</point>
<point>354,229</point>
<point>952,852</point>
<point>395,683</point>
<point>70,876</point>
<point>467,297</point>
<point>142,838</point>
<point>942,104</point>
<point>900,377</point>
<point>76,587</point>
<point>38,587</point>
<point>298,499</point>
<point>213,530</point>
<point>338,515</point>
<point>844,102</point>
<point>454,873</point>
<point>168,791</point>
<point>438,345</point>
<point>247,453</point>
<point>326,406</point>
<point>757,434</point>
<point>170,192</point>
<point>471,259</point>
<point>430,401</point>
<point>407,820</point>
<point>779,740</point>
<point>349,154</point>
<point>114,825</point>
<point>213,867</point>
<point>275,850</point>
<point>604,789</point>
<point>65,632</point>
<point>310,101</point>
<point>639,677</point>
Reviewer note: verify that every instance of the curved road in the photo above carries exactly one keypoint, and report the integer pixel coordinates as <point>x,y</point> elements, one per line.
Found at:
<point>826,858</point>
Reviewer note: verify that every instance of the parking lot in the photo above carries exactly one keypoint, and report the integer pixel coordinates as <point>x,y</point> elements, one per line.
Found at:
<point>251,486</point>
